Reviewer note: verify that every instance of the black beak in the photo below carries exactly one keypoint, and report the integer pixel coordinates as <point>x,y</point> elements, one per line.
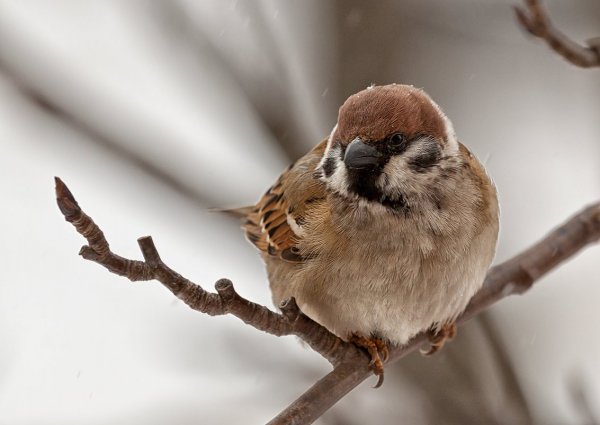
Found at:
<point>360,156</point>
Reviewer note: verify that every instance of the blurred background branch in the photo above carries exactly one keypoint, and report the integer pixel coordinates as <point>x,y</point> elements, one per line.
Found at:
<point>534,20</point>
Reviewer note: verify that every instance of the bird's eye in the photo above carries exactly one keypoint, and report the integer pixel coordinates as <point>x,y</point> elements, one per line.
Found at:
<point>397,141</point>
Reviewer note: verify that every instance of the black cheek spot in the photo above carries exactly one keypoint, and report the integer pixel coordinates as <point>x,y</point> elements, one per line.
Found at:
<point>426,160</point>
<point>329,167</point>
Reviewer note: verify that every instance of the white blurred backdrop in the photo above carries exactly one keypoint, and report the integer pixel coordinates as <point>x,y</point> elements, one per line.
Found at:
<point>154,111</point>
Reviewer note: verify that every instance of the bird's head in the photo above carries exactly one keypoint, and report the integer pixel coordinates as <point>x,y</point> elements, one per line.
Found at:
<point>391,146</point>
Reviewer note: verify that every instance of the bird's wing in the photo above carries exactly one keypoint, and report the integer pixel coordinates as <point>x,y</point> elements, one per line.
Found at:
<point>275,223</point>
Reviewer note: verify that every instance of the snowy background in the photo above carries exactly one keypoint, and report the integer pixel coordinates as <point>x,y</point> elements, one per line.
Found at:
<point>154,111</point>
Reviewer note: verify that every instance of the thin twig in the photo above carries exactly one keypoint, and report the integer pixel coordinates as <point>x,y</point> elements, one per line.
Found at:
<point>351,367</point>
<point>534,19</point>
<point>225,301</point>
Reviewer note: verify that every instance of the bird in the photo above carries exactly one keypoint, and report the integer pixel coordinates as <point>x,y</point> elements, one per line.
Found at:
<point>385,229</point>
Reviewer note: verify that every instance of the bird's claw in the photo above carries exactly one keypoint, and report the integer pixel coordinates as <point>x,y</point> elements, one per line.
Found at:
<point>378,351</point>
<point>438,338</point>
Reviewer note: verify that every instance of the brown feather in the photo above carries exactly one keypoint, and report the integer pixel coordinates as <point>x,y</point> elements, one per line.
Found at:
<point>375,113</point>
<point>267,223</point>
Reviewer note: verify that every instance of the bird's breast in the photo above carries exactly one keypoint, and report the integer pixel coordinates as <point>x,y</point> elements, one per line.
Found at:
<point>393,282</point>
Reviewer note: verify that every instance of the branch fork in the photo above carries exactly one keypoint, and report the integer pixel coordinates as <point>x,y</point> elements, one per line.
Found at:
<point>350,364</point>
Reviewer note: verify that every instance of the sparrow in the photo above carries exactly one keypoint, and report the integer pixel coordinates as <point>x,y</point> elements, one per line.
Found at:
<point>384,229</point>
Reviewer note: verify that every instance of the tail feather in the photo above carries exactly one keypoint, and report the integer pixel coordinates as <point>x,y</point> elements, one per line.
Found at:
<point>242,212</point>
<point>251,224</point>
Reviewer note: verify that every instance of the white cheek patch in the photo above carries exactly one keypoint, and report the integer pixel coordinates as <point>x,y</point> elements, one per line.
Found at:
<point>399,177</point>
<point>338,180</point>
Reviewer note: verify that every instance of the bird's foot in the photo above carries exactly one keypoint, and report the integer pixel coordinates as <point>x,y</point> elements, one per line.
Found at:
<point>378,351</point>
<point>438,338</point>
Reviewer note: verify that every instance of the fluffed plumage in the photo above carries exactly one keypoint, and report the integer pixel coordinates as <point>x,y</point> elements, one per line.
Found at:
<point>384,229</point>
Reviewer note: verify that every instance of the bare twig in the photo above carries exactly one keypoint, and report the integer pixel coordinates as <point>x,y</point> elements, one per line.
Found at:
<point>533,19</point>
<point>351,367</point>
<point>225,301</point>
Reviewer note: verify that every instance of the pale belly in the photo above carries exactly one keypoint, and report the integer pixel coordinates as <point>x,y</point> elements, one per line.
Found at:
<point>393,307</point>
<point>393,293</point>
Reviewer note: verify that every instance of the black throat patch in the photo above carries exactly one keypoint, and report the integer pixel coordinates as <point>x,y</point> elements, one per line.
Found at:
<point>363,185</point>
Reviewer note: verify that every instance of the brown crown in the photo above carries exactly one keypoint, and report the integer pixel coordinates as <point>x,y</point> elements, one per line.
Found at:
<point>380,111</point>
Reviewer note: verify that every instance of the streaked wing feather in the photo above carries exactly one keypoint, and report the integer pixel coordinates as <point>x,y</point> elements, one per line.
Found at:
<point>268,224</point>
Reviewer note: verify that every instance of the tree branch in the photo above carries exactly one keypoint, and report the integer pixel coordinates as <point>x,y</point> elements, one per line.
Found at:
<point>351,366</point>
<point>534,19</point>
<point>514,276</point>
<point>225,301</point>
